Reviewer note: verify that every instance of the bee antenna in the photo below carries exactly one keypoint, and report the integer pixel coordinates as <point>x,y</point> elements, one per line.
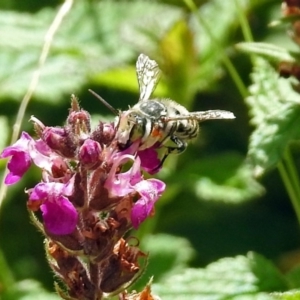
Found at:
<point>112,109</point>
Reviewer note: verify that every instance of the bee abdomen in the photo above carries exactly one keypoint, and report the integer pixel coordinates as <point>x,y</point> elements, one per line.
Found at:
<point>187,129</point>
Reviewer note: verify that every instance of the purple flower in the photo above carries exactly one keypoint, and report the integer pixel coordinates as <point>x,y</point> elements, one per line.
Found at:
<point>122,184</point>
<point>25,151</point>
<point>59,215</point>
<point>20,159</point>
<point>61,140</point>
<point>43,157</point>
<point>89,152</point>
<point>150,161</point>
<point>150,190</point>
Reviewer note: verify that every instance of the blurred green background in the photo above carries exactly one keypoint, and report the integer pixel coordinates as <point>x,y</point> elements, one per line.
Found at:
<point>213,207</point>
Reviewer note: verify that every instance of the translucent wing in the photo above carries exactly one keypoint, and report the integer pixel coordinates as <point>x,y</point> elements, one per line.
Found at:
<point>148,74</point>
<point>203,115</point>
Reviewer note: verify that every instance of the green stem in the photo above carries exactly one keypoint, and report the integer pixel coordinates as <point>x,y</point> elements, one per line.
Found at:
<point>286,168</point>
<point>290,188</point>
<point>243,22</point>
<point>227,62</point>
<point>293,174</point>
<point>62,12</point>
<point>287,171</point>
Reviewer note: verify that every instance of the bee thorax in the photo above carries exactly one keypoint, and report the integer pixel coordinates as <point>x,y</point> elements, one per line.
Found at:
<point>152,109</point>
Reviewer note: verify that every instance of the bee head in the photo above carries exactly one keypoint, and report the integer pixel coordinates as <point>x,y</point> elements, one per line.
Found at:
<point>130,127</point>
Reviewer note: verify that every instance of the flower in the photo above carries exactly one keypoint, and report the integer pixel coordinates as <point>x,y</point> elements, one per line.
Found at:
<point>25,152</point>
<point>20,158</point>
<point>61,140</point>
<point>86,201</point>
<point>44,157</point>
<point>122,184</point>
<point>150,190</point>
<point>89,152</point>
<point>59,215</point>
<point>150,161</point>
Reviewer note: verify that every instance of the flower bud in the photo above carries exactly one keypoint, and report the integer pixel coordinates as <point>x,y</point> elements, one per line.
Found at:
<point>79,120</point>
<point>104,133</point>
<point>89,153</point>
<point>60,140</point>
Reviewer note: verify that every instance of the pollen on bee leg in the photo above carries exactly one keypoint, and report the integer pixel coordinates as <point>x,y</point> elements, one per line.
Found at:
<point>156,132</point>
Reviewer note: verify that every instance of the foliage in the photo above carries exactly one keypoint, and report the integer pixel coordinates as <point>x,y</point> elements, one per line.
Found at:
<point>234,190</point>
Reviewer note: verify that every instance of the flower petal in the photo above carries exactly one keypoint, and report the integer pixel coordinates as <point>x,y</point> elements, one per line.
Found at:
<point>59,217</point>
<point>42,155</point>
<point>150,190</point>
<point>48,191</point>
<point>21,145</point>
<point>18,165</point>
<point>120,184</point>
<point>150,161</point>
<point>20,159</point>
<point>89,152</point>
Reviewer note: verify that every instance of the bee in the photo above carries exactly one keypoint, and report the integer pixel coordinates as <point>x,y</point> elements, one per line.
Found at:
<point>156,121</point>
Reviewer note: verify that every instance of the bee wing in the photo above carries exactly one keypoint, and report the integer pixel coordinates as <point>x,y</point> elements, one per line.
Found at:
<point>203,115</point>
<point>148,75</point>
<point>211,115</point>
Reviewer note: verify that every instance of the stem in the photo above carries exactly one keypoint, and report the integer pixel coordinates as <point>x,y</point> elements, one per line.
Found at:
<point>293,176</point>
<point>292,170</point>
<point>243,22</point>
<point>287,169</point>
<point>290,189</point>
<point>226,61</point>
<point>64,9</point>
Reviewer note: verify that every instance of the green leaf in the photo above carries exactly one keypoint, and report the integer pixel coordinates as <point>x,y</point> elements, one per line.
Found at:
<point>275,113</point>
<point>223,177</point>
<point>28,290</point>
<point>269,51</point>
<point>212,38</point>
<point>291,295</point>
<point>293,277</point>
<point>168,254</point>
<point>86,44</point>
<point>239,278</point>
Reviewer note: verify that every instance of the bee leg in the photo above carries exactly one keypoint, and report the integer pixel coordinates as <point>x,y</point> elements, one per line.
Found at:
<point>181,146</point>
<point>162,161</point>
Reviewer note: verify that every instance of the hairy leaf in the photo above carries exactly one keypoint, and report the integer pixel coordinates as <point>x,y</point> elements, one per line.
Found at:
<point>250,277</point>
<point>168,254</point>
<point>86,44</point>
<point>268,51</point>
<point>275,113</point>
